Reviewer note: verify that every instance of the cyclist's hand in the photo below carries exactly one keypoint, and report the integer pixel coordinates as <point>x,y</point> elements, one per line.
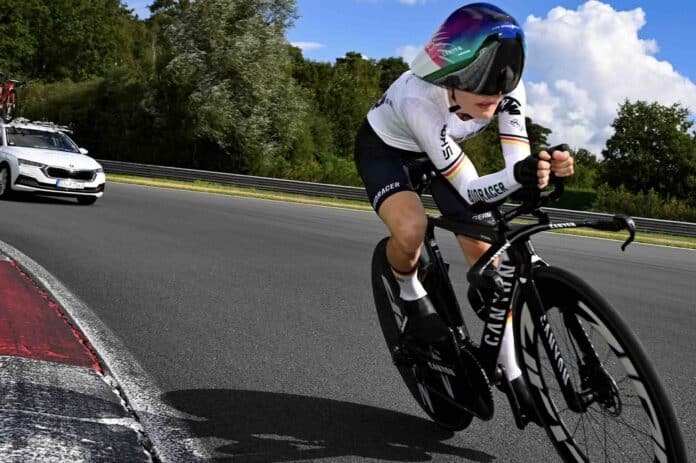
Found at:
<point>562,163</point>
<point>543,169</point>
<point>533,171</point>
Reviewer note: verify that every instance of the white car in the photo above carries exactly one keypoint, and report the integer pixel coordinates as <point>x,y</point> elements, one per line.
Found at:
<point>41,158</point>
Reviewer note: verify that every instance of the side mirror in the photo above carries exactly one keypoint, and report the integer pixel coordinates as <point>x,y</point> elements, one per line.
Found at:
<point>83,151</point>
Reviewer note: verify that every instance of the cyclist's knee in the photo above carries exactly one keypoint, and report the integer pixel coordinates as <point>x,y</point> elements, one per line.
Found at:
<point>408,235</point>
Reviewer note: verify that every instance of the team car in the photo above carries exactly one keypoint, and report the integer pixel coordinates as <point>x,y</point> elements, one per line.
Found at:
<point>41,158</point>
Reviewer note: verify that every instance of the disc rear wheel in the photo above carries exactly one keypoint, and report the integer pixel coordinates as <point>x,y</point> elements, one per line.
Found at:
<point>431,387</point>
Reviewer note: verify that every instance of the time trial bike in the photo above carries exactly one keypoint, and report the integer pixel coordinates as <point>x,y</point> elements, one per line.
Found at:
<point>593,387</point>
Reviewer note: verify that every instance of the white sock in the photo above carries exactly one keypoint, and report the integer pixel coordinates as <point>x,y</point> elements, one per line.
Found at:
<point>506,357</point>
<point>409,284</point>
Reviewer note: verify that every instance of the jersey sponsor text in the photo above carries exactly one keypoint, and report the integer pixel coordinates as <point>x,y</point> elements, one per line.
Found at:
<point>444,144</point>
<point>486,194</point>
<point>384,191</point>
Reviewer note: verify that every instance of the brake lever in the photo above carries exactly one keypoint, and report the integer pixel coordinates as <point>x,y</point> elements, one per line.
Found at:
<point>619,222</point>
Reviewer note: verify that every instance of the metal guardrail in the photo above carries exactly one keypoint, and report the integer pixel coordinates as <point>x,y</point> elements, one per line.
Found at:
<point>347,192</point>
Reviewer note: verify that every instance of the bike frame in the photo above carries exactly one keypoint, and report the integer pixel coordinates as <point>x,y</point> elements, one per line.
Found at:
<point>7,85</point>
<point>516,276</point>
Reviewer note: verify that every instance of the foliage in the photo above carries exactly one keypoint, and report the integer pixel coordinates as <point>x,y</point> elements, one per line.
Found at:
<point>71,39</point>
<point>652,149</point>
<point>577,199</point>
<point>21,24</point>
<point>389,70</point>
<point>642,204</point>
<point>586,168</point>
<point>222,82</point>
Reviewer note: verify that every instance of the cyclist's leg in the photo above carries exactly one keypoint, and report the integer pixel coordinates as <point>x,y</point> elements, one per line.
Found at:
<point>404,216</point>
<point>391,195</point>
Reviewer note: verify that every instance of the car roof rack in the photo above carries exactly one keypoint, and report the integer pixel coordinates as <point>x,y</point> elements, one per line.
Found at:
<point>46,124</point>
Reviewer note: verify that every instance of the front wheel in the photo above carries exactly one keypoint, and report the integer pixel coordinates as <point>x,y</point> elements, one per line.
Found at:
<point>626,414</point>
<point>9,109</point>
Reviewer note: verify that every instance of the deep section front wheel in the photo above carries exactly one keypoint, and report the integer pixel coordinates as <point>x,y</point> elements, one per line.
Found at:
<point>625,414</point>
<point>429,386</point>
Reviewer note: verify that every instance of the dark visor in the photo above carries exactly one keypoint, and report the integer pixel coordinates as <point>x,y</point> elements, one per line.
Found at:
<point>497,69</point>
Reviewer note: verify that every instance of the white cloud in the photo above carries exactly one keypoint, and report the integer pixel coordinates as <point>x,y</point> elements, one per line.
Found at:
<point>307,46</point>
<point>408,52</point>
<point>591,60</point>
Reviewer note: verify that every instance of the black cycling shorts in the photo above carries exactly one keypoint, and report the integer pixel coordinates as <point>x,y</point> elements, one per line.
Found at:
<point>384,172</point>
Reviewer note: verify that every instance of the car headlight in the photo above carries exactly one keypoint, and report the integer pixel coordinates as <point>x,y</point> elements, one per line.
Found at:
<point>100,170</point>
<point>26,162</point>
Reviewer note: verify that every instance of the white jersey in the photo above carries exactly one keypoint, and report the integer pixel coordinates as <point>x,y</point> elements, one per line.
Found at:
<point>413,115</point>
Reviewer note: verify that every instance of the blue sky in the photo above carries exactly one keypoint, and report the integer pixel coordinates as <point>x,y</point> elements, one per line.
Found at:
<point>585,56</point>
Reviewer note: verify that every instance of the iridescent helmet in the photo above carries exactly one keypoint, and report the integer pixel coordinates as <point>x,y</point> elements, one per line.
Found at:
<point>479,49</point>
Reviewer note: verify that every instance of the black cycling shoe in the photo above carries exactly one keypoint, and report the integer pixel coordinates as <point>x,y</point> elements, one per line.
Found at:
<point>423,322</point>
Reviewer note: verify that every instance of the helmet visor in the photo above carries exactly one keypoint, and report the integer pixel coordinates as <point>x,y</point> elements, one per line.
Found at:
<point>497,69</point>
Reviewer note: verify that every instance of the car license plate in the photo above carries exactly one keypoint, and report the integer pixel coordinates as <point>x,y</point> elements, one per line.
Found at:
<point>72,184</point>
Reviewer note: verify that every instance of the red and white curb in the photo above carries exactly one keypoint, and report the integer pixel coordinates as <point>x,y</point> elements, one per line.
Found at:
<point>69,389</point>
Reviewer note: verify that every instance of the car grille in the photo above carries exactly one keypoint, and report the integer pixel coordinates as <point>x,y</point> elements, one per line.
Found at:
<point>27,181</point>
<point>57,172</point>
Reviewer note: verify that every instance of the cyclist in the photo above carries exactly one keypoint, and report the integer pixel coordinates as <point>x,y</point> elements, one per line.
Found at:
<point>467,73</point>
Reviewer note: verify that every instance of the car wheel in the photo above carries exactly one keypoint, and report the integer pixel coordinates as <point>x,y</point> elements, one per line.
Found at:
<point>5,188</point>
<point>86,200</point>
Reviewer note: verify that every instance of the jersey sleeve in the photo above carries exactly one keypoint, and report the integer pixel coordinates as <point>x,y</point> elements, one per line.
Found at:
<point>429,127</point>
<point>512,127</point>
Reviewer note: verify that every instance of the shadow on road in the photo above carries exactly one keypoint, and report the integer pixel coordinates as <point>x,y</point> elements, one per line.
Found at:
<point>271,427</point>
<point>22,197</point>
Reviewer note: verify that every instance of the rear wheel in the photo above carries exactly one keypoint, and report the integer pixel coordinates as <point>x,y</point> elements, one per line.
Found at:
<point>427,386</point>
<point>628,417</point>
<point>9,109</point>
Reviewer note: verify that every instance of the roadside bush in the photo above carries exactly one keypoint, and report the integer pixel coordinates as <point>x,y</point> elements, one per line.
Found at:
<point>577,199</point>
<point>642,204</point>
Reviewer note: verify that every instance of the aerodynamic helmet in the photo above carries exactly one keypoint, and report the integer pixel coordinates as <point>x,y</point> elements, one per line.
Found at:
<point>479,49</point>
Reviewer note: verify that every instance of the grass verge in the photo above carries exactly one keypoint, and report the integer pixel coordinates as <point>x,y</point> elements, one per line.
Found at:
<point>208,187</point>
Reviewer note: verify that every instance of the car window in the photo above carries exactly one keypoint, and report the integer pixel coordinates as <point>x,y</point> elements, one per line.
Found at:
<point>32,138</point>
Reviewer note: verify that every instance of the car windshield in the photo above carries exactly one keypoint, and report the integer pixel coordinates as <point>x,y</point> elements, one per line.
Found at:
<point>32,138</point>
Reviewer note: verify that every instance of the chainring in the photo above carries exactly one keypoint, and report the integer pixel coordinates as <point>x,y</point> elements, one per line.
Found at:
<point>480,397</point>
<point>468,387</point>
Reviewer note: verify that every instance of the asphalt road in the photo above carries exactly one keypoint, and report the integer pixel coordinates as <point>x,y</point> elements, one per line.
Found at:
<point>256,317</point>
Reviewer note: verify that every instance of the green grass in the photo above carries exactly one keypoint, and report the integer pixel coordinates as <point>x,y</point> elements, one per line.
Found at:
<point>208,187</point>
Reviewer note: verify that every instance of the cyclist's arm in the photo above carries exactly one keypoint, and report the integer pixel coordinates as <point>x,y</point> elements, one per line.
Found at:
<point>429,127</point>
<point>512,127</point>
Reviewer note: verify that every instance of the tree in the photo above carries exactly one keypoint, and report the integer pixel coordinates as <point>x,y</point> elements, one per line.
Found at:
<point>22,24</point>
<point>353,89</point>
<point>390,69</point>
<point>586,167</point>
<point>223,80</point>
<point>652,148</point>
